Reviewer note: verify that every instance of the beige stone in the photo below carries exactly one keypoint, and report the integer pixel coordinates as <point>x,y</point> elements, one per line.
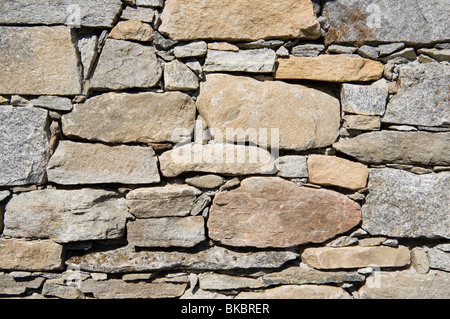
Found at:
<point>223,46</point>
<point>356,257</point>
<point>273,212</point>
<point>214,281</point>
<point>419,260</point>
<point>132,30</point>
<point>292,116</point>
<point>297,292</point>
<point>335,171</point>
<point>362,122</point>
<point>329,68</point>
<point>209,181</point>
<point>237,20</point>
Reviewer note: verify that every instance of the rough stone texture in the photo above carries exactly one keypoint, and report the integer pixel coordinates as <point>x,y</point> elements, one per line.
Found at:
<point>38,60</point>
<point>362,122</point>
<point>439,259</point>
<point>422,98</point>
<point>438,55</point>
<point>226,159</point>
<point>124,65</point>
<point>87,13</point>
<point>138,13</point>
<point>24,145</point>
<point>150,3</point>
<point>297,292</point>
<point>272,212</point>
<point>78,163</point>
<point>209,181</point>
<point>10,286</point>
<point>335,171</point>
<point>365,99</point>
<point>407,285</point>
<point>145,117</point>
<point>253,61</point>
<point>356,257</point>
<point>239,21</point>
<point>66,215</point>
<point>214,258</point>
<point>132,30</point>
<point>178,76</point>
<point>88,46</point>
<point>292,166</point>
<point>398,147</point>
<point>57,288</point>
<point>252,105</point>
<point>309,50</point>
<point>167,201</point>
<point>36,255</point>
<point>329,68</point>
<point>213,281</point>
<point>166,232</point>
<point>54,103</point>
<point>414,22</point>
<point>193,49</point>
<point>396,197</point>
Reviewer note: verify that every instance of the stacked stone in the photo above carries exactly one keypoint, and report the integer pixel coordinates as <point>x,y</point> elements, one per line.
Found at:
<point>119,178</point>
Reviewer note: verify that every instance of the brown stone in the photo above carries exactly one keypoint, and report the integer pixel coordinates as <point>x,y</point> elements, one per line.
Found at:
<point>272,212</point>
<point>362,122</point>
<point>223,46</point>
<point>132,30</point>
<point>334,171</point>
<point>297,292</point>
<point>329,68</point>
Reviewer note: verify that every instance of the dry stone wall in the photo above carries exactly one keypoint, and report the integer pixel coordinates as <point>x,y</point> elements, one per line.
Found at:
<point>202,149</point>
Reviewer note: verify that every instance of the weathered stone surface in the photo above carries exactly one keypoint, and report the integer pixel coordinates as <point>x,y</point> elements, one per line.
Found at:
<point>329,68</point>
<point>297,292</point>
<point>422,98</point>
<point>124,65</point>
<point>300,276</point>
<point>398,147</point>
<point>292,166</point>
<point>9,286</point>
<point>203,294</point>
<point>438,55</point>
<point>24,145</point>
<point>118,289</point>
<point>167,201</point>
<point>356,21</point>
<point>409,54</point>
<point>419,260</point>
<point>138,13</point>
<point>79,163</point>
<point>365,99</point>
<point>38,60</point>
<point>370,52</point>
<point>166,232</point>
<point>310,50</point>
<point>87,13</point>
<point>209,181</point>
<point>88,46</point>
<point>335,171</point>
<point>356,257</point>
<point>55,103</point>
<point>407,285</point>
<point>387,49</point>
<point>273,212</point>
<point>57,288</point>
<point>214,258</point>
<point>66,215</point>
<point>193,49</point>
<point>253,61</point>
<point>270,113</point>
<point>439,259</point>
<point>36,255</point>
<point>213,281</point>
<point>132,30</point>
<point>145,117</point>
<point>223,46</point>
<point>396,197</point>
<point>362,122</point>
<point>178,76</point>
<point>150,3</point>
<point>226,159</point>
<point>239,21</point>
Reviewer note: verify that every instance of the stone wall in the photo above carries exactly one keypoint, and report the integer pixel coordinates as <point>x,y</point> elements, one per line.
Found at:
<point>203,149</point>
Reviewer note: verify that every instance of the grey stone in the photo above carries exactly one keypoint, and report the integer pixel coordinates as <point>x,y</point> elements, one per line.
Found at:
<point>398,147</point>
<point>419,260</point>
<point>297,292</point>
<point>443,247</point>
<point>57,288</point>
<point>439,259</point>
<point>368,51</point>
<point>150,3</point>
<point>209,181</point>
<point>365,99</point>
<point>87,44</point>
<point>213,281</point>
<point>66,215</point>
<point>24,143</point>
<point>423,96</point>
<point>310,50</point>
<point>139,13</point>
<point>124,65</point>
<point>341,49</point>
<point>87,13</point>
<point>343,241</point>
<point>177,76</point>
<point>391,69</point>
<point>4,195</point>
<point>282,52</point>
<point>444,46</point>
<point>79,163</point>
<point>259,44</point>
<point>253,61</point>
<point>416,22</point>
<point>161,43</point>
<point>387,49</point>
<point>396,197</point>
<point>54,103</point>
<point>192,49</point>
<point>292,166</point>
<point>200,205</point>
<point>10,287</point>
<point>407,53</point>
<point>214,258</point>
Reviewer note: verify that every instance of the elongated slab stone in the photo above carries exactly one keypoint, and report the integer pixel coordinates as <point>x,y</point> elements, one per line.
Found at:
<point>128,260</point>
<point>66,215</point>
<point>297,292</point>
<point>226,159</point>
<point>272,212</point>
<point>213,281</point>
<point>329,68</point>
<point>413,22</point>
<point>269,114</point>
<point>9,286</point>
<point>253,61</point>
<point>86,13</point>
<point>395,199</point>
<point>38,61</point>
<point>239,20</point>
<point>24,145</point>
<point>35,255</point>
<point>79,163</point>
<point>398,147</point>
<point>132,118</point>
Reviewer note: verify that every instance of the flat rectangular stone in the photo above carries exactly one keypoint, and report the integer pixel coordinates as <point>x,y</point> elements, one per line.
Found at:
<point>362,122</point>
<point>365,99</point>
<point>82,163</point>
<point>9,286</point>
<point>54,103</point>
<point>292,166</point>
<point>38,61</point>
<point>253,61</point>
